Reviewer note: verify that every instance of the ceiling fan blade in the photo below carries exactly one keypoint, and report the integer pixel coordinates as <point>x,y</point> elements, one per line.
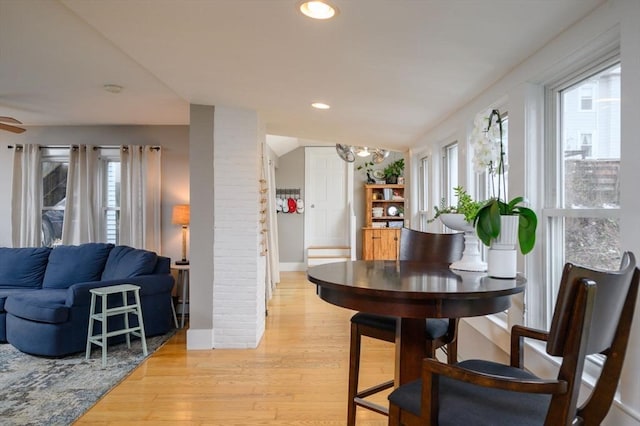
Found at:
<point>10,120</point>
<point>10,128</point>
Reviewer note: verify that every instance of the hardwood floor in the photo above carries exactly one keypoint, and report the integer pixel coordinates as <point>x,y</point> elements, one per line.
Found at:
<point>297,376</point>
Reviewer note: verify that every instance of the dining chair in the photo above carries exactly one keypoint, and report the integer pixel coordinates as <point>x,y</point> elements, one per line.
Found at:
<point>592,315</point>
<point>416,246</point>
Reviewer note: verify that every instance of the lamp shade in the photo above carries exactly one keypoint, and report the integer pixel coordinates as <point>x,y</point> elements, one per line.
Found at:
<point>180,214</point>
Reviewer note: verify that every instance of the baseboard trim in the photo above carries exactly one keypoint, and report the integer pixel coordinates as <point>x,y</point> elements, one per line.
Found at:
<point>292,267</point>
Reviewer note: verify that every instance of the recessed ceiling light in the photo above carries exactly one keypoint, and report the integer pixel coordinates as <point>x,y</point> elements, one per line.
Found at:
<point>320,105</point>
<point>317,9</point>
<point>112,88</point>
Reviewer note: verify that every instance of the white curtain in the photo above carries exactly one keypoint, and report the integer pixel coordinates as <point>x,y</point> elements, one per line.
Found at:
<point>140,197</point>
<point>26,197</point>
<point>82,206</point>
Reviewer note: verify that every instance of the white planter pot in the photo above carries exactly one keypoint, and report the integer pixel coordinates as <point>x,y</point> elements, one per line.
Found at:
<point>502,256</point>
<point>471,259</point>
<point>502,263</point>
<point>508,238</point>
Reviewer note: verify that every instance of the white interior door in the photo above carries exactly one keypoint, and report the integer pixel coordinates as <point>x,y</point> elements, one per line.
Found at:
<point>327,198</point>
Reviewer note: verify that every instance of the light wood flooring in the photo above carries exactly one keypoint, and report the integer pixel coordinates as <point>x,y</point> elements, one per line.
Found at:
<point>297,376</point>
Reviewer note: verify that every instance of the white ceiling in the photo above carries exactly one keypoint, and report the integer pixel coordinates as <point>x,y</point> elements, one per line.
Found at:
<point>390,68</point>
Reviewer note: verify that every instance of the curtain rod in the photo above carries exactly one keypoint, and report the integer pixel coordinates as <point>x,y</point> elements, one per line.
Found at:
<point>125,148</point>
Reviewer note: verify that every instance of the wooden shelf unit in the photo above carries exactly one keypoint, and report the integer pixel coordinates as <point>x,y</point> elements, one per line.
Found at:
<point>382,243</point>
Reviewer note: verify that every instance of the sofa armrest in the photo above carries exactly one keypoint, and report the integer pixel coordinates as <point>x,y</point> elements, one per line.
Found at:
<point>78,294</point>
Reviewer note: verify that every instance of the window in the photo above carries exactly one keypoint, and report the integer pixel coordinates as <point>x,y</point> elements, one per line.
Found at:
<point>586,97</point>
<point>586,140</point>
<point>450,173</point>
<point>424,193</point>
<point>55,166</point>
<point>54,189</point>
<point>487,184</point>
<point>582,198</point>
<point>111,201</point>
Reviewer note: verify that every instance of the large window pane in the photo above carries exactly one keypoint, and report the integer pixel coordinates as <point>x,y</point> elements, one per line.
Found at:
<point>54,189</point>
<point>582,203</point>
<point>593,241</point>
<point>591,142</point>
<point>112,202</point>
<point>591,151</point>
<point>450,175</point>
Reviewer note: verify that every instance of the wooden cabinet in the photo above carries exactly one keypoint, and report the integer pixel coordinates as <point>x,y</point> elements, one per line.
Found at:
<point>380,244</point>
<point>384,216</point>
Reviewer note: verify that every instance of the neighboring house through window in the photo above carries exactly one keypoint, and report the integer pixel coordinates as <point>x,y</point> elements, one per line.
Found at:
<point>582,190</point>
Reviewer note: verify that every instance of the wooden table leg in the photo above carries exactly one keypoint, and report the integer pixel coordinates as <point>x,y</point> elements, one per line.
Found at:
<point>411,349</point>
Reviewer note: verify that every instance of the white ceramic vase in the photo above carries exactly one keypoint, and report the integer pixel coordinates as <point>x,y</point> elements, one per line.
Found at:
<point>471,259</point>
<point>502,257</point>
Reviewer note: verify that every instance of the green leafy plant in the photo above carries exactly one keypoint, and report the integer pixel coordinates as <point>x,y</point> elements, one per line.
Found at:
<point>394,170</point>
<point>466,206</point>
<point>487,222</point>
<point>367,166</point>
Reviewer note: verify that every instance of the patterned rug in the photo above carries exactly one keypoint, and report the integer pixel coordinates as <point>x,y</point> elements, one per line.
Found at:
<point>56,391</point>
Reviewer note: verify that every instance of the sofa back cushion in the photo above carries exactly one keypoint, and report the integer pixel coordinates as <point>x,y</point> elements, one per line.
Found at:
<point>127,262</point>
<point>69,265</point>
<point>23,267</point>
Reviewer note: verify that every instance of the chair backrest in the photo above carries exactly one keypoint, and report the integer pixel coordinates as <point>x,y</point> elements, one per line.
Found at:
<point>428,247</point>
<point>592,315</point>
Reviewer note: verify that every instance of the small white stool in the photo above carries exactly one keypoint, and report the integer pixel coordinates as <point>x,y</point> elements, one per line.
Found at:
<point>125,309</point>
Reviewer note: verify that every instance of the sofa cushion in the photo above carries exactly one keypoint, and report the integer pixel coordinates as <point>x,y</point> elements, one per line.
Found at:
<point>23,267</point>
<point>127,262</point>
<point>6,292</point>
<point>41,306</point>
<point>75,264</point>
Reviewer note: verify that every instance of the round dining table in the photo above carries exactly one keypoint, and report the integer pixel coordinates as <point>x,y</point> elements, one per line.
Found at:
<point>412,291</point>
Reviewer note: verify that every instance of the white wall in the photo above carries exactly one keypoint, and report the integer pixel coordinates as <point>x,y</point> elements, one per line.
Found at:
<point>227,271</point>
<point>520,92</point>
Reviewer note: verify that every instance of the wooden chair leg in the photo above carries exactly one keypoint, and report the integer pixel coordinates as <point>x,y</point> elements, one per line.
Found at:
<point>452,351</point>
<point>354,370</point>
<point>394,415</point>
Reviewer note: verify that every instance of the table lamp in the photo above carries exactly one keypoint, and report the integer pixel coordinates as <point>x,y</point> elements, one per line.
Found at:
<point>180,216</point>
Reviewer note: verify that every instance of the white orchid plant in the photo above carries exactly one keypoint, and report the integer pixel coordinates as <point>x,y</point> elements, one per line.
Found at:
<point>488,149</point>
<point>489,155</point>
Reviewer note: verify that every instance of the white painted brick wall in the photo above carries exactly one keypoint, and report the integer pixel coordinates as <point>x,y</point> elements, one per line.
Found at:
<point>238,294</point>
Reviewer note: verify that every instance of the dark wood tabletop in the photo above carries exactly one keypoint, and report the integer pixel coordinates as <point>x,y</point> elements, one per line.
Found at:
<point>412,291</point>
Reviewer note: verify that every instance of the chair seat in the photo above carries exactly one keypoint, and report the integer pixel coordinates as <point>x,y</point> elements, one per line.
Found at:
<point>435,328</point>
<point>463,404</point>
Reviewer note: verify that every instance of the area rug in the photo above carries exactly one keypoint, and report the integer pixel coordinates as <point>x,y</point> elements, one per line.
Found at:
<point>56,391</point>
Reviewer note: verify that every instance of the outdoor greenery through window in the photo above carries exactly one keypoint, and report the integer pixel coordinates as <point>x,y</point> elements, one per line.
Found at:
<point>583,197</point>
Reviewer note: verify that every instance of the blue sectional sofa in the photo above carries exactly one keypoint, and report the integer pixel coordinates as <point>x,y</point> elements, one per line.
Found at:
<point>45,298</point>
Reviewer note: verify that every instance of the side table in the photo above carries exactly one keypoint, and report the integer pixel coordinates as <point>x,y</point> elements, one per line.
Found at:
<point>123,309</point>
<point>182,282</point>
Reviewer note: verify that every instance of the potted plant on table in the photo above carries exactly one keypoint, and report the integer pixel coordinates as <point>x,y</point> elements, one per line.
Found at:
<point>393,171</point>
<point>498,223</point>
<point>460,218</point>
